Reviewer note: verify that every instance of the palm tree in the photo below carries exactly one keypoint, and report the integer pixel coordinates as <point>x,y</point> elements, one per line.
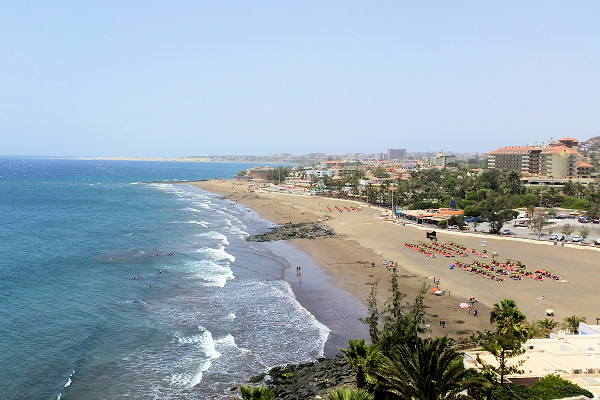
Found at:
<point>430,370</point>
<point>364,359</point>
<point>569,189</point>
<point>507,317</point>
<point>258,393</point>
<point>572,323</point>
<point>350,394</point>
<point>506,342</point>
<point>545,326</point>
<point>536,331</point>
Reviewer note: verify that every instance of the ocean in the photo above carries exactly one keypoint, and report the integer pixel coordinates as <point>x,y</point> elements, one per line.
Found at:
<point>114,287</point>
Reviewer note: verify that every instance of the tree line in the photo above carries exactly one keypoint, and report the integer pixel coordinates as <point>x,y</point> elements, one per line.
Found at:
<point>491,194</point>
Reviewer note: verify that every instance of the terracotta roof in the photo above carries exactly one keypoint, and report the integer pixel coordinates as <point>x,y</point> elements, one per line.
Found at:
<point>584,164</point>
<point>559,149</point>
<point>514,149</point>
<point>568,139</point>
<point>445,211</point>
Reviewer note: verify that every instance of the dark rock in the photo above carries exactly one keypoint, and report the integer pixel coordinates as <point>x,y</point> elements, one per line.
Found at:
<point>305,230</point>
<point>308,380</point>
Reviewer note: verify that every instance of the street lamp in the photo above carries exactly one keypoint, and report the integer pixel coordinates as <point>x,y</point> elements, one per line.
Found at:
<point>540,217</point>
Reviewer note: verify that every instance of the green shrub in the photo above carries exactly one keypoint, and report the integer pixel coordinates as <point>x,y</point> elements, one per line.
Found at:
<point>548,388</point>
<point>554,387</point>
<point>575,203</point>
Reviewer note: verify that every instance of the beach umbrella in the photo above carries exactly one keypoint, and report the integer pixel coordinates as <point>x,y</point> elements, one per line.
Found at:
<point>438,292</point>
<point>463,305</point>
<point>549,311</point>
<point>435,290</point>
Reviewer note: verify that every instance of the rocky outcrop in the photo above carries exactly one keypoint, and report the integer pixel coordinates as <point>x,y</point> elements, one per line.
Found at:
<point>309,380</point>
<point>305,230</point>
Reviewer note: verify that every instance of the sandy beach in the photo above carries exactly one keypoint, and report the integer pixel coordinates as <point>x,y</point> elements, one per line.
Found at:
<point>362,238</point>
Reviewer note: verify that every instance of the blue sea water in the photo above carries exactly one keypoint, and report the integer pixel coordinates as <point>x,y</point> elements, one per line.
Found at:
<point>75,324</point>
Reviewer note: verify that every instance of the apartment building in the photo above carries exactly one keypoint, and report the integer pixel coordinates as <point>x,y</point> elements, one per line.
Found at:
<point>559,160</point>
<point>396,154</point>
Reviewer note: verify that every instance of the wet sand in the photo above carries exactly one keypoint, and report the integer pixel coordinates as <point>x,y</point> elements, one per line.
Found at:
<point>363,238</point>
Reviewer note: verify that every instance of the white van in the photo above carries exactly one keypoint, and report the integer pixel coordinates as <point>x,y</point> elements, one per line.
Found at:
<point>597,242</point>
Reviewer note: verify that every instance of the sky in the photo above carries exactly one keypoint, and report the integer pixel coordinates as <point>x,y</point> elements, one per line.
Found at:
<point>183,78</point>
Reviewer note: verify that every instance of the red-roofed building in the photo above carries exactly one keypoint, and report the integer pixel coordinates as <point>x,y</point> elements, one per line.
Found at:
<point>585,170</point>
<point>569,142</point>
<point>559,160</point>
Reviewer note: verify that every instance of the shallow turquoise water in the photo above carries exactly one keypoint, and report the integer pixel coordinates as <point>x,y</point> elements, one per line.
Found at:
<point>77,325</point>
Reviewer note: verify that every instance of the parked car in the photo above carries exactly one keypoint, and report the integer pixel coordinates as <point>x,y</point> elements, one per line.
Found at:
<point>583,220</point>
<point>554,236</point>
<point>597,242</point>
<point>596,221</point>
<point>560,238</point>
<point>453,227</point>
<point>506,232</point>
<point>576,238</point>
<point>463,227</point>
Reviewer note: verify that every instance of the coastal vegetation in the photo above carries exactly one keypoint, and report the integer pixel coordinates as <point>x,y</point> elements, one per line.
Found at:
<point>401,363</point>
<point>487,194</point>
<point>491,194</point>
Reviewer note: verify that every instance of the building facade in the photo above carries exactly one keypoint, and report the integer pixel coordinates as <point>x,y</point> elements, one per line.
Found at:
<point>559,160</point>
<point>396,154</point>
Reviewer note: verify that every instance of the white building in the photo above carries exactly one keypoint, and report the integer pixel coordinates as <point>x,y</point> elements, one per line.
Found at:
<point>319,172</point>
<point>573,357</point>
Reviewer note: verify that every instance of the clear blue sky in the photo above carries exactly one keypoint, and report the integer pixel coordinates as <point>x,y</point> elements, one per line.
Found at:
<point>178,78</point>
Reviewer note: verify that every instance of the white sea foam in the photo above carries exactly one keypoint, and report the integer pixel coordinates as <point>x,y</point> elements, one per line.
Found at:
<point>190,380</point>
<point>206,346</point>
<point>211,273</point>
<point>283,314</point>
<point>217,253</point>
<point>235,230</point>
<point>197,378</point>
<point>161,186</point>
<point>215,235</point>
<point>204,206</point>
<point>66,385</point>
<point>204,340</point>
<point>69,381</point>
<point>228,343</point>
<point>201,223</point>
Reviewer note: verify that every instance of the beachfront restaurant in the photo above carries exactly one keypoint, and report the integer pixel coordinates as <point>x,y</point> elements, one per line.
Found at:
<point>428,216</point>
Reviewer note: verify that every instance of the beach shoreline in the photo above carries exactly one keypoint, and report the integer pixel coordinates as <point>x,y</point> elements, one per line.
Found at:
<point>344,259</point>
<point>363,238</point>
